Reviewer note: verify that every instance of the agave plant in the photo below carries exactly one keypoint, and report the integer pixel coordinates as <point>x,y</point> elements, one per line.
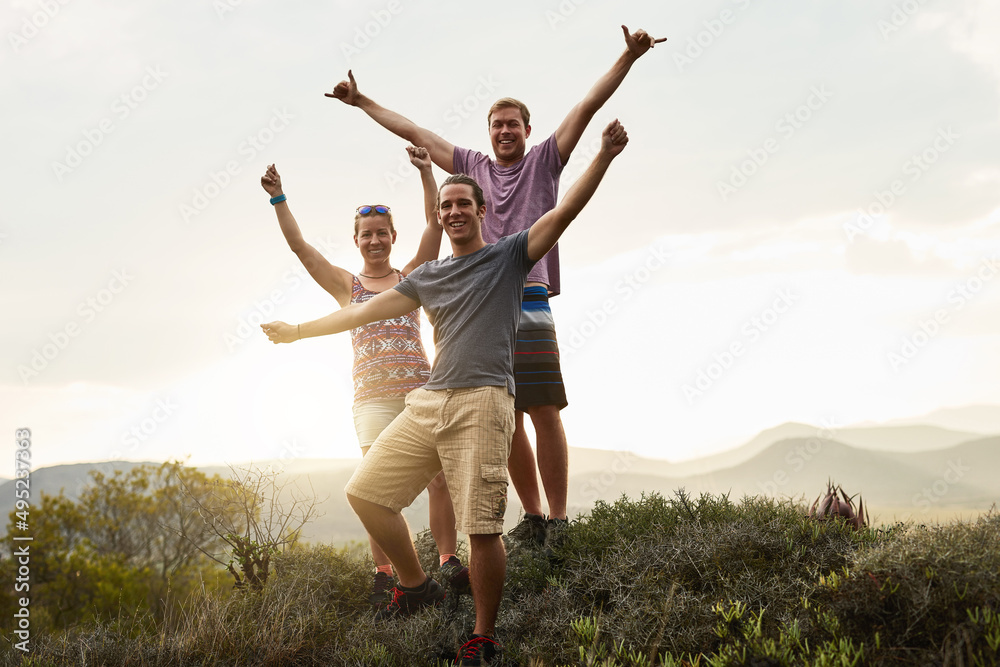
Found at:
<point>836,503</point>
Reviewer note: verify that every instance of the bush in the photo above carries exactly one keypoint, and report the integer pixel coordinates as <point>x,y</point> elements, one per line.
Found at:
<point>666,581</point>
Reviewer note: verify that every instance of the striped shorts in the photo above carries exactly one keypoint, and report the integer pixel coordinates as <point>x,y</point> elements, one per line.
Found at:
<point>537,374</point>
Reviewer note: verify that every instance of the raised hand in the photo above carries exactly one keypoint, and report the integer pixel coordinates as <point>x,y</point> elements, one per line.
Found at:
<point>640,41</point>
<point>279,332</point>
<point>271,181</point>
<point>613,139</point>
<point>346,91</point>
<point>419,157</point>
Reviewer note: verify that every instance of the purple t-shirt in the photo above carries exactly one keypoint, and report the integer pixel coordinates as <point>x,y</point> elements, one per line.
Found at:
<point>518,195</point>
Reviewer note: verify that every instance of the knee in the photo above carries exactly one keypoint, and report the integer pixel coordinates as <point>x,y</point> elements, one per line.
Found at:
<point>364,507</point>
<point>355,503</point>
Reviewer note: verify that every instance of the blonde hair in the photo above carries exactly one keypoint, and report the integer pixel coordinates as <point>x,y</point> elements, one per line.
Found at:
<point>509,103</point>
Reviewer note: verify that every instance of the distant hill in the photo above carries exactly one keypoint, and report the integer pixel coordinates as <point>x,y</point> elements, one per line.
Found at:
<point>982,419</point>
<point>915,484</point>
<point>902,471</point>
<point>899,438</point>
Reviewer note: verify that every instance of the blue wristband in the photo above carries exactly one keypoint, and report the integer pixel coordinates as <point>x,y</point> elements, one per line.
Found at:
<point>278,199</point>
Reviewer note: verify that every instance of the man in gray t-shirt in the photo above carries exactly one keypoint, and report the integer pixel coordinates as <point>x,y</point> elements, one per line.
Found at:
<point>462,420</point>
<point>521,185</point>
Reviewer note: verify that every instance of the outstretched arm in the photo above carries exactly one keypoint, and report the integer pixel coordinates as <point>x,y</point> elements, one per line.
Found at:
<point>383,306</point>
<point>547,229</point>
<point>430,240</point>
<point>571,129</point>
<point>441,150</point>
<point>333,279</point>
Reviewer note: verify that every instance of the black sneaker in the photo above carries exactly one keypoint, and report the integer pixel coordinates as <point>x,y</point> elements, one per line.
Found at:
<point>380,588</point>
<point>531,530</point>
<point>456,575</point>
<point>478,651</point>
<point>407,601</point>
<point>554,536</point>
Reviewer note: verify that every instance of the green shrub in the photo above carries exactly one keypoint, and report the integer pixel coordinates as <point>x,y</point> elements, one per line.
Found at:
<point>657,581</point>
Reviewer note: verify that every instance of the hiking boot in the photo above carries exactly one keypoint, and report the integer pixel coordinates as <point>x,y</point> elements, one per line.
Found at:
<point>380,588</point>
<point>478,651</point>
<point>407,601</point>
<point>531,530</point>
<point>555,534</point>
<point>456,575</point>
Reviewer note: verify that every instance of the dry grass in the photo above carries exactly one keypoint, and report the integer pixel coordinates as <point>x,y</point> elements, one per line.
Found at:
<point>699,581</point>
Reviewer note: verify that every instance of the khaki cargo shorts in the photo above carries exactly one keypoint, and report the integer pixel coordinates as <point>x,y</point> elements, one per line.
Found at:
<point>465,432</point>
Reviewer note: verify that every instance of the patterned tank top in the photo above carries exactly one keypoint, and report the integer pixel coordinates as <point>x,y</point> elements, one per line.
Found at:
<point>389,358</point>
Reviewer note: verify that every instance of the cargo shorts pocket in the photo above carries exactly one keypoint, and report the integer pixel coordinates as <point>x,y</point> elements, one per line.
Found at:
<point>496,477</point>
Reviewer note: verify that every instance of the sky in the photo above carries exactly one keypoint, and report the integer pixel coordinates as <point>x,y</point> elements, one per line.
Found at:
<point>805,225</point>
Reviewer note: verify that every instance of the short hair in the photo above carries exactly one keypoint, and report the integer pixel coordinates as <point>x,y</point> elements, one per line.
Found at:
<point>463,179</point>
<point>509,103</point>
<point>358,216</point>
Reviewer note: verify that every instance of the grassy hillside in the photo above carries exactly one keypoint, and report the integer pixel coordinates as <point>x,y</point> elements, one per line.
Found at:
<point>664,581</point>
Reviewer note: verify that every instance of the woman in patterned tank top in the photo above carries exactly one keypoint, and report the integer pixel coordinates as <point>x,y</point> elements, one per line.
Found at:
<point>389,357</point>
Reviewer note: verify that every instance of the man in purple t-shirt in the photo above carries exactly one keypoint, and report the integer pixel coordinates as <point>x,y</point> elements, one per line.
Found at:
<point>520,187</point>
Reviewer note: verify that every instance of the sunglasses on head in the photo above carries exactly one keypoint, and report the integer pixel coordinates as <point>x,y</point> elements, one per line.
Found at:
<point>377,208</point>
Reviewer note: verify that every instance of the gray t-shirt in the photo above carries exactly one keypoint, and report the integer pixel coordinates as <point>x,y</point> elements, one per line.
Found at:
<point>474,304</point>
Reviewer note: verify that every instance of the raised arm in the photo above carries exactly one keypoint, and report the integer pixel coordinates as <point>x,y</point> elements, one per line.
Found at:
<point>442,151</point>
<point>430,240</point>
<point>333,279</point>
<point>383,306</point>
<point>571,129</point>
<point>547,229</point>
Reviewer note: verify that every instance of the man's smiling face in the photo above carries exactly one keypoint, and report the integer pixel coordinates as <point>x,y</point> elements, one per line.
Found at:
<point>508,134</point>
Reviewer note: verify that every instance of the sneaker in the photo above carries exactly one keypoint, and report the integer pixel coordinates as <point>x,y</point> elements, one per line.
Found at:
<point>456,575</point>
<point>407,601</point>
<point>555,530</point>
<point>531,530</point>
<point>478,651</point>
<point>380,588</point>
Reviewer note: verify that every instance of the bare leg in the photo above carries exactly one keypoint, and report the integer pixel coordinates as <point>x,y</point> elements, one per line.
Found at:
<point>487,568</point>
<point>521,466</point>
<point>553,457</point>
<point>390,530</point>
<point>442,515</point>
<point>377,554</point>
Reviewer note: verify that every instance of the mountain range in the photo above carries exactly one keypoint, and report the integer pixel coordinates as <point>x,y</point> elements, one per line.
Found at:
<point>902,471</point>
